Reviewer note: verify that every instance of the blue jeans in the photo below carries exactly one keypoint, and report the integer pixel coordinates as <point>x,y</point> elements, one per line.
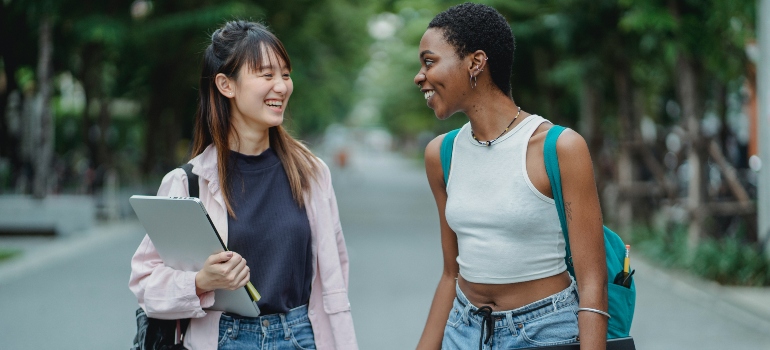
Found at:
<point>549,321</point>
<point>289,331</point>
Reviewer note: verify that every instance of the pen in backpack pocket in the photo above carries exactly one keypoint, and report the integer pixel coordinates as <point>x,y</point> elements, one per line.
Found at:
<point>626,261</point>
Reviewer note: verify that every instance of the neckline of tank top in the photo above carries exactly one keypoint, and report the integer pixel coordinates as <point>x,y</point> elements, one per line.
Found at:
<point>506,136</point>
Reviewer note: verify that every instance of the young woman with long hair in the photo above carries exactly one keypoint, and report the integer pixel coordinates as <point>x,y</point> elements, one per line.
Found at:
<point>504,284</point>
<point>272,202</point>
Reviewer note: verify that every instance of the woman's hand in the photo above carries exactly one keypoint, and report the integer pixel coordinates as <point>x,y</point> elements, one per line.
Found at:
<point>225,270</point>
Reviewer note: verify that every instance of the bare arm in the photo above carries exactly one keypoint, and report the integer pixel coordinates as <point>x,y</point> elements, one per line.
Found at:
<point>433,333</point>
<point>584,221</point>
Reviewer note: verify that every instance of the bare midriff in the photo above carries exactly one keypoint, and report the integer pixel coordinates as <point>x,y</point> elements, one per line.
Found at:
<point>503,297</point>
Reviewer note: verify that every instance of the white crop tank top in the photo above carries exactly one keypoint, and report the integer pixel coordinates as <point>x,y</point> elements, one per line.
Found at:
<point>507,231</point>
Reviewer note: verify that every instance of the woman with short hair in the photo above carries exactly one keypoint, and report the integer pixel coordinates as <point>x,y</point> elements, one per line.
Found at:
<point>505,283</point>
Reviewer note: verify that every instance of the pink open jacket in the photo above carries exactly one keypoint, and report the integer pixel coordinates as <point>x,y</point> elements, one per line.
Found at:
<point>166,293</point>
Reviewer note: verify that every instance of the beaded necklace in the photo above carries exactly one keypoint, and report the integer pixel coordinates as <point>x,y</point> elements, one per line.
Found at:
<point>489,143</point>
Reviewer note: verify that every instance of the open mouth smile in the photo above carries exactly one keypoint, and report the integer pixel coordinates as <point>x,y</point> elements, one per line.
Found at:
<point>275,104</point>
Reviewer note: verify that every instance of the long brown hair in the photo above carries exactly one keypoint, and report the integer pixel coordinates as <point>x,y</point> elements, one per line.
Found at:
<point>235,44</point>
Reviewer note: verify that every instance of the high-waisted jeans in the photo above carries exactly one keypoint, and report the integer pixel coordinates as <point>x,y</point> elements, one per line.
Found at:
<point>549,321</point>
<point>289,331</point>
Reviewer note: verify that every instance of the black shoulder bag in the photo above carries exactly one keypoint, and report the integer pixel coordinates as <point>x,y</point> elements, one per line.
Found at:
<point>157,334</point>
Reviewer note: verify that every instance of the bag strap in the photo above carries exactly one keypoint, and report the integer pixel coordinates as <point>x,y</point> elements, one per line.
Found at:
<point>183,324</point>
<point>551,159</point>
<point>447,145</point>
<point>192,181</point>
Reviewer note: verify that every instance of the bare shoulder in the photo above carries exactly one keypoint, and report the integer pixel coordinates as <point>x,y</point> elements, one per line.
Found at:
<point>572,144</point>
<point>574,156</point>
<point>433,168</point>
<point>433,149</point>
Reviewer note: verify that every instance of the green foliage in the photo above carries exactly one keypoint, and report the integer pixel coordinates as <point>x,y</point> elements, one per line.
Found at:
<point>729,261</point>
<point>25,78</point>
<point>327,55</point>
<point>154,60</point>
<point>343,74</point>
<point>7,253</point>
<point>100,29</point>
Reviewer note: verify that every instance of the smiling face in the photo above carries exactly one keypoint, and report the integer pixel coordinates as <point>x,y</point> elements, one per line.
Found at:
<point>259,95</point>
<point>442,77</point>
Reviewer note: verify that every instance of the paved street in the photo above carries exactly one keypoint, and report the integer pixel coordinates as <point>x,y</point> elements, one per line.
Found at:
<point>72,294</point>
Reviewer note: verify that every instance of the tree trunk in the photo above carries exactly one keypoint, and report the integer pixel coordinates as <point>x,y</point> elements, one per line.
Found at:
<point>104,158</point>
<point>10,97</point>
<point>625,162</point>
<point>152,135</point>
<point>45,134</point>
<point>91,77</point>
<point>589,114</point>
<point>162,132</point>
<point>720,97</point>
<point>687,91</point>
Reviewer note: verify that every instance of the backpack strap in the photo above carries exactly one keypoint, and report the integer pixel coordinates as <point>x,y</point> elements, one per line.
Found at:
<point>183,324</point>
<point>447,145</point>
<point>192,181</point>
<point>551,159</point>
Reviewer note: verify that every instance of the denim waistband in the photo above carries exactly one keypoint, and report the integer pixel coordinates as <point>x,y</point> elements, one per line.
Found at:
<point>268,323</point>
<point>531,311</point>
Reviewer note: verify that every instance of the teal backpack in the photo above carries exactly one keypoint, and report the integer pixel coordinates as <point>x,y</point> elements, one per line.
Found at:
<point>621,299</point>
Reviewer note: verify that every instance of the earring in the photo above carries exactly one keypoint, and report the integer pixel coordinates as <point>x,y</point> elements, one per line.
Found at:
<point>473,81</point>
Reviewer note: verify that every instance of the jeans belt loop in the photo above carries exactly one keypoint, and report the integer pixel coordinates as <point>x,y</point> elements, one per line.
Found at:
<point>511,325</point>
<point>466,313</point>
<point>236,326</point>
<point>286,331</point>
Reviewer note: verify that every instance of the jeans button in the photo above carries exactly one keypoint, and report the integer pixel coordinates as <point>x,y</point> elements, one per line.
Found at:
<point>265,323</point>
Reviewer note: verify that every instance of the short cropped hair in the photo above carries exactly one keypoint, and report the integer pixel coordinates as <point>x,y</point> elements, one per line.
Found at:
<point>470,27</point>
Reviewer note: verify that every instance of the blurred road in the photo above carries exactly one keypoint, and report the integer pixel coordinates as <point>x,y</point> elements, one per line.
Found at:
<point>72,294</point>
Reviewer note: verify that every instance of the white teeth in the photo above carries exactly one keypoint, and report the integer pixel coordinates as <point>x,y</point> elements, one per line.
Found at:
<point>274,103</point>
<point>429,94</point>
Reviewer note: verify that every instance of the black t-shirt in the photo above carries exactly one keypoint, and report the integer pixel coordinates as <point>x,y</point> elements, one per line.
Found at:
<point>270,230</point>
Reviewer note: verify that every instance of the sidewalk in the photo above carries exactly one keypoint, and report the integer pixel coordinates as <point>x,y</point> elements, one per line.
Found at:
<point>749,306</point>
<point>390,227</point>
<point>41,252</point>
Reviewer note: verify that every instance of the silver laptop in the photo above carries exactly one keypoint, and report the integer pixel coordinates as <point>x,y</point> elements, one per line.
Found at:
<point>185,237</point>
